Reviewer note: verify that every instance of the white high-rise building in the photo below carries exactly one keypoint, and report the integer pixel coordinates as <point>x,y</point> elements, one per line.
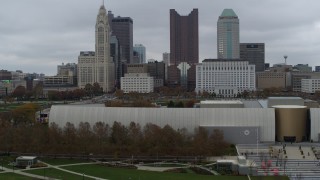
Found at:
<point>228,35</point>
<point>166,58</point>
<point>224,77</point>
<point>98,67</point>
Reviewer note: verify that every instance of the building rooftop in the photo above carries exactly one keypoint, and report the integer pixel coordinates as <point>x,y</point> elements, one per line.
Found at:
<point>222,60</point>
<point>228,13</point>
<point>220,102</point>
<point>283,98</point>
<point>27,157</point>
<point>289,106</point>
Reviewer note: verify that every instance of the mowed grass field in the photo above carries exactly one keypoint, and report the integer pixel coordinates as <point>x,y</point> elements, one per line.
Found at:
<point>55,173</point>
<point>57,162</point>
<point>13,176</point>
<point>121,173</point>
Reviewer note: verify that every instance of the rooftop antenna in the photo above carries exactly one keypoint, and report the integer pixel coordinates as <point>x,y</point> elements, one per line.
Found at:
<point>285,59</point>
<point>103,2</point>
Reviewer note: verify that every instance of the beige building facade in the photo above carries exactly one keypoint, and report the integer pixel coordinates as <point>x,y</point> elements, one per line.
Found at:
<point>269,79</point>
<point>291,123</point>
<point>98,66</point>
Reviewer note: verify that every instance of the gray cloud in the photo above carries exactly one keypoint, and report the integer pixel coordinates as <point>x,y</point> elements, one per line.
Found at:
<point>37,35</point>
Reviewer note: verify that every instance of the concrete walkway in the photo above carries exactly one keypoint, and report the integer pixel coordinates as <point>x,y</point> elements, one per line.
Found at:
<point>294,152</point>
<point>23,173</point>
<point>71,172</point>
<point>6,170</point>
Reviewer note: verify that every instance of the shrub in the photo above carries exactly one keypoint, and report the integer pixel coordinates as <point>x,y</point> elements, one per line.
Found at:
<point>38,165</point>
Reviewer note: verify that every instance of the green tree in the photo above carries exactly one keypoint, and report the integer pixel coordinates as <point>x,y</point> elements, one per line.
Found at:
<point>179,104</point>
<point>101,132</point>
<point>19,92</point>
<point>119,93</point>
<point>200,141</point>
<point>119,134</point>
<point>96,89</point>
<point>85,136</point>
<point>135,137</point>
<point>54,95</point>
<point>216,143</point>
<point>89,90</point>
<point>38,91</point>
<point>25,114</point>
<point>70,138</point>
<point>56,139</point>
<point>151,136</point>
<point>170,104</point>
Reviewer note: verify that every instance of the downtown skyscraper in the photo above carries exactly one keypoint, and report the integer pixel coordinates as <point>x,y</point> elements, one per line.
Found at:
<point>122,28</point>
<point>254,53</point>
<point>184,49</point>
<point>228,37</point>
<point>141,51</point>
<point>98,67</point>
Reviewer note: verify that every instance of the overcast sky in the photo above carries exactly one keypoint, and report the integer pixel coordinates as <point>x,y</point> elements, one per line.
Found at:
<point>37,35</point>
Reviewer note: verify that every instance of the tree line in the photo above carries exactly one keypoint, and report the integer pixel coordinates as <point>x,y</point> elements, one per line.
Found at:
<point>20,93</point>
<point>116,139</point>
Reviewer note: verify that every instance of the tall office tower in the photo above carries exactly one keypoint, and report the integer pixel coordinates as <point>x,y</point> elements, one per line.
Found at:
<point>115,53</point>
<point>166,58</point>
<point>104,63</point>
<point>254,54</point>
<point>141,50</point>
<point>157,71</point>
<point>122,27</point>
<point>136,57</point>
<point>184,48</point>
<point>98,66</point>
<point>317,69</point>
<point>228,35</point>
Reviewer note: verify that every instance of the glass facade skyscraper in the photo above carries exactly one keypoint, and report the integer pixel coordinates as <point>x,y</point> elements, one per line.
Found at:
<point>228,35</point>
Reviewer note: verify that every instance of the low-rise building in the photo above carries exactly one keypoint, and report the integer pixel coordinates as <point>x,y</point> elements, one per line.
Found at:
<point>296,78</point>
<point>270,79</point>
<point>225,78</point>
<point>26,160</point>
<point>303,68</point>
<point>59,81</point>
<point>310,85</point>
<point>137,82</point>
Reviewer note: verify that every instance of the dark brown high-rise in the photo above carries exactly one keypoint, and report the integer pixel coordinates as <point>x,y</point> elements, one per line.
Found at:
<point>184,47</point>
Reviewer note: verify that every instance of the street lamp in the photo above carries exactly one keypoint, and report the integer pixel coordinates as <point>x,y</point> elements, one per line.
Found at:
<point>257,141</point>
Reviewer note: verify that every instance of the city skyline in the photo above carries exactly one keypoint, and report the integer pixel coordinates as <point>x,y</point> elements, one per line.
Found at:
<point>41,38</point>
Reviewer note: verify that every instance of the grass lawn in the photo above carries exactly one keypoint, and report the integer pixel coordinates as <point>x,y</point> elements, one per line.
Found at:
<point>164,165</point>
<point>121,173</point>
<point>6,160</point>
<point>54,173</point>
<point>57,162</point>
<point>13,176</point>
<point>270,178</point>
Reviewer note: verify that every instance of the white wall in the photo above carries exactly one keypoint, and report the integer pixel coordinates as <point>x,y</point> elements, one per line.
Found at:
<point>178,118</point>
